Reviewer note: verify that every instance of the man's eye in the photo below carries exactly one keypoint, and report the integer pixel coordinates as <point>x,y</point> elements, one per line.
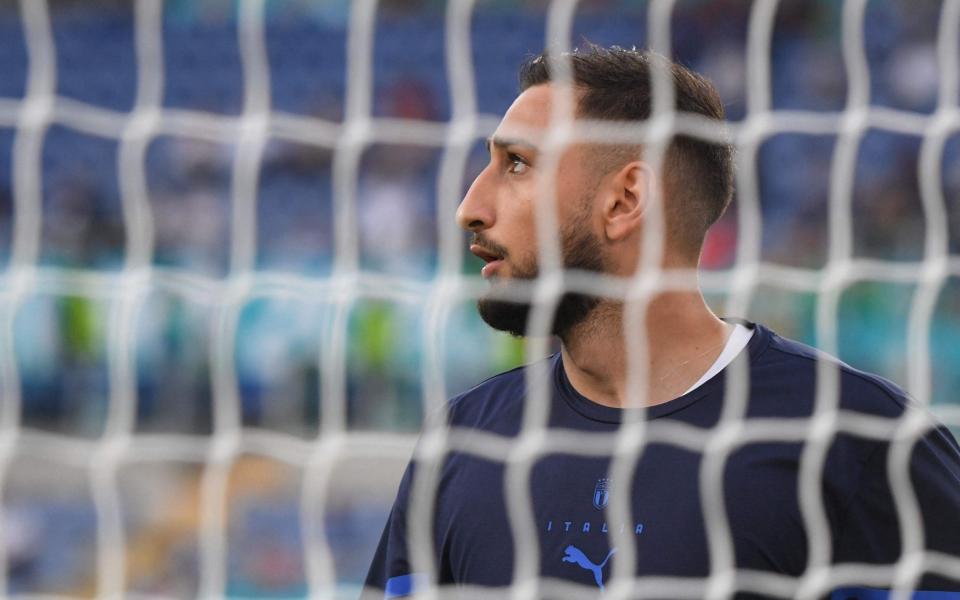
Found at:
<point>517,164</point>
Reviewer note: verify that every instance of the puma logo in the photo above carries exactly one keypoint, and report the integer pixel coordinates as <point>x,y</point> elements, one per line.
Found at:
<point>572,554</point>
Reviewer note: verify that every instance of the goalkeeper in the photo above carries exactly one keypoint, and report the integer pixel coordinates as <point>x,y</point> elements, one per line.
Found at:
<point>605,194</point>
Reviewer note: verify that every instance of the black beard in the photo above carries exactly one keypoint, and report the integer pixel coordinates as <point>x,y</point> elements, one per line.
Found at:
<point>580,251</point>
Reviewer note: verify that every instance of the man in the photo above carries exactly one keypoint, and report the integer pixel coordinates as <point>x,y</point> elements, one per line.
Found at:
<point>604,197</point>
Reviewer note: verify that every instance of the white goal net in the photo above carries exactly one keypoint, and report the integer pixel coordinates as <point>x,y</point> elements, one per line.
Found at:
<point>232,285</point>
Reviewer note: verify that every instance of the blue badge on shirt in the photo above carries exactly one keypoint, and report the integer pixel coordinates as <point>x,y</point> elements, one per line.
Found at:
<point>601,493</point>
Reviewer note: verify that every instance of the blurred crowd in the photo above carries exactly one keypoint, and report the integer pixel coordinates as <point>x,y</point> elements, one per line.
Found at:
<point>281,343</point>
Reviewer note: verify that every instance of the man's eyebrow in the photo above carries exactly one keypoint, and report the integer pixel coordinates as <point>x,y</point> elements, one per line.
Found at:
<point>504,143</point>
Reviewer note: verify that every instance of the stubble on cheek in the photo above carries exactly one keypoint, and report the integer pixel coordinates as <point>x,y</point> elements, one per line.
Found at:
<point>582,251</point>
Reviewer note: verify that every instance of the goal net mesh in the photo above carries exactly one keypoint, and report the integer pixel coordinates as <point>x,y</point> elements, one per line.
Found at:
<point>231,283</point>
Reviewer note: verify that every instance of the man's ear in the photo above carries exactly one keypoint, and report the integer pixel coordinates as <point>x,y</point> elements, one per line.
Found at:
<point>626,203</point>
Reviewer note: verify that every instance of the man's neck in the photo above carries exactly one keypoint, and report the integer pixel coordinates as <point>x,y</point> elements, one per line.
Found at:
<point>683,338</point>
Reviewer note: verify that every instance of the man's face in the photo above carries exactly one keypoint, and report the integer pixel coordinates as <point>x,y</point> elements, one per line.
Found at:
<point>500,209</point>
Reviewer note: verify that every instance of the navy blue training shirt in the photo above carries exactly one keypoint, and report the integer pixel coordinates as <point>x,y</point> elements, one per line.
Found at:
<point>473,537</point>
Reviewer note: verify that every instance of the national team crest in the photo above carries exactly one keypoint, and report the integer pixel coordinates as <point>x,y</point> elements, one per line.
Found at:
<point>601,493</point>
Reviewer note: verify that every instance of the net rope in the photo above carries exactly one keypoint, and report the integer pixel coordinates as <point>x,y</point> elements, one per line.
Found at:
<point>126,290</point>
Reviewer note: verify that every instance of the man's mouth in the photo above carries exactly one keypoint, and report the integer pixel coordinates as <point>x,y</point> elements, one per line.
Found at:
<point>492,259</point>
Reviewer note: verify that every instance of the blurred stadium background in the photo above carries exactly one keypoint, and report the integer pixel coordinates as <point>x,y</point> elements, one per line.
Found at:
<point>60,339</point>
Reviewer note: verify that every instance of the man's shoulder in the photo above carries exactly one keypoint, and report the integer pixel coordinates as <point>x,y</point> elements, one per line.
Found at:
<point>492,387</point>
<point>496,403</point>
<point>794,364</point>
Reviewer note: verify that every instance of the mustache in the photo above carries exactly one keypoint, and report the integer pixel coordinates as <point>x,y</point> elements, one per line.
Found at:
<point>489,245</point>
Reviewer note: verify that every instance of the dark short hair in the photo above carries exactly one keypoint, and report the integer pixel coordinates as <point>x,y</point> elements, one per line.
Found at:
<point>615,84</point>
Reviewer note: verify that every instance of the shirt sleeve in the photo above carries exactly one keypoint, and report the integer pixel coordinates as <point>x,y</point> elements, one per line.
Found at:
<point>390,575</point>
<point>870,531</point>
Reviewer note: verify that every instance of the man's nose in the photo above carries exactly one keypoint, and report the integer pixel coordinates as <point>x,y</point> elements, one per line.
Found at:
<point>476,210</point>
